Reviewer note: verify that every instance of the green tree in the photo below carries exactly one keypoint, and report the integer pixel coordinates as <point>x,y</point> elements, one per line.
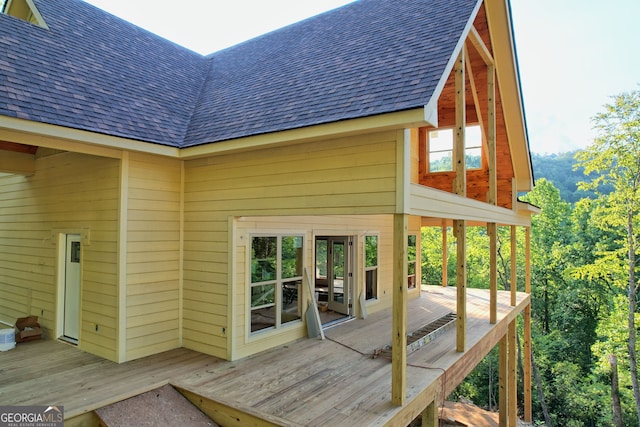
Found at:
<point>615,157</point>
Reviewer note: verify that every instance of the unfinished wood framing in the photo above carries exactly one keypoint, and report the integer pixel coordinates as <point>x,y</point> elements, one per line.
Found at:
<point>460,228</point>
<point>503,383</point>
<point>492,231</point>
<point>460,184</point>
<point>399,316</point>
<point>430,415</point>
<point>526,351</point>
<point>514,264</point>
<point>528,412</point>
<point>445,255</point>
<point>491,136</point>
<point>513,375</point>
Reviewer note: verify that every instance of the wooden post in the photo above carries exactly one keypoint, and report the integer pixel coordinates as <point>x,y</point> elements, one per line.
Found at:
<point>461,284</point>
<point>528,412</point>
<point>503,385</point>
<point>430,415</point>
<point>527,256</point>
<point>445,255</point>
<point>492,231</point>
<point>514,265</point>
<point>512,399</point>
<point>461,121</point>
<point>399,316</point>
<point>491,136</point>
<point>460,188</point>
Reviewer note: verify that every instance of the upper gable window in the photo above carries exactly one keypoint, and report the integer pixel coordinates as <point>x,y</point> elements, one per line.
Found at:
<point>440,149</point>
<point>23,9</point>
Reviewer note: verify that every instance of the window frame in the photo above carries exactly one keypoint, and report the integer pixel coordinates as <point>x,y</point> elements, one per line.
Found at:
<point>278,283</point>
<point>476,145</point>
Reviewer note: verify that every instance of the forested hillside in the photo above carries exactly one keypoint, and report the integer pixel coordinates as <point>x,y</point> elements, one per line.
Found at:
<point>562,170</point>
<point>584,279</point>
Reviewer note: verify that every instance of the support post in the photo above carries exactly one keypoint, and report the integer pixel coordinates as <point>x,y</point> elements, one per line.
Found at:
<point>492,231</point>
<point>445,255</point>
<point>460,227</point>
<point>528,411</point>
<point>512,400</point>
<point>491,136</point>
<point>430,415</point>
<point>514,265</point>
<point>461,121</point>
<point>503,386</point>
<point>399,317</point>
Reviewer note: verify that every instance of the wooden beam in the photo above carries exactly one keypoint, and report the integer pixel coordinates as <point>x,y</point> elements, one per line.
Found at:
<point>491,136</point>
<point>527,257</point>
<point>480,46</point>
<point>514,265</point>
<point>460,227</point>
<point>476,101</point>
<point>460,185</point>
<point>492,231</point>
<point>503,387</point>
<point>430,415</point>
<point>526,381</point>
<point>230,414</point>
<point>17,163</point>
<point>399,314</point>
<point>445,255</point>
<point>513,376</point>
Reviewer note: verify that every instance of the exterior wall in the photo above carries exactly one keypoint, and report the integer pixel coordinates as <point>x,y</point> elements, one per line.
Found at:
<point>153,255</point>
<point>343,176</point>
<point>69,193</point>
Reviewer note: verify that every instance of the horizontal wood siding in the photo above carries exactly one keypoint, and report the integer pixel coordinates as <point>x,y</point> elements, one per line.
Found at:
<point>153,255</point>
<point>68,193</point>
<point>344,176</point>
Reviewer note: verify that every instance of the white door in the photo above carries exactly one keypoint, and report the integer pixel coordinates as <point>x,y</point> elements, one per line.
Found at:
<point>71,318</point>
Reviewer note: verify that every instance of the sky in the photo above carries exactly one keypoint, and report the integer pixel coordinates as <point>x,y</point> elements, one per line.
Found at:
<point>574,55</point>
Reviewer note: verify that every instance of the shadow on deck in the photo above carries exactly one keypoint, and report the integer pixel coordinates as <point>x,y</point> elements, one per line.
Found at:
<point>307,382</point>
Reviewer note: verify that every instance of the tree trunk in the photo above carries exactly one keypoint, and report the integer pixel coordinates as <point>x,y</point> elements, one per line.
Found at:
<point>543,403</point>
<point>633,365</point>
<point>615,392</point>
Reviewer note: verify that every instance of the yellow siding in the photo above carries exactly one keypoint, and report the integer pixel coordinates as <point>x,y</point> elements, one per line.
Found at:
<point>344,176</point>
<point>68,193</point>
<point>153,255</point>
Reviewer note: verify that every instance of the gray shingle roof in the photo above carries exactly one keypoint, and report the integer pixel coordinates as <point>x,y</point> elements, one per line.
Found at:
<point>95,72</point>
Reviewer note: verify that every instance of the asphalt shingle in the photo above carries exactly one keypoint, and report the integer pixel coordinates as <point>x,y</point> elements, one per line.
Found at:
<point>96,72</point>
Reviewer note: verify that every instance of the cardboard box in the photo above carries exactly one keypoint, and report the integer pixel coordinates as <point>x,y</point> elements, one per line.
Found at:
<point>28,329</point>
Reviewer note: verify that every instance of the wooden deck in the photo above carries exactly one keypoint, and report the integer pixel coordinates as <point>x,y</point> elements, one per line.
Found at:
<point>308,382</point>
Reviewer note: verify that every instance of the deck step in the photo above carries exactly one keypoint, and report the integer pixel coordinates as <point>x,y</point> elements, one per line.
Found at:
<point>420,337</point>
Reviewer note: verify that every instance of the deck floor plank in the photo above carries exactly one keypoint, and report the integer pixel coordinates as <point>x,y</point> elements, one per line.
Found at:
<point>307,382</point>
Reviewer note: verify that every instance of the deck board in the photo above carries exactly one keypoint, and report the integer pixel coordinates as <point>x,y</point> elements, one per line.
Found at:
<point>307,382</point>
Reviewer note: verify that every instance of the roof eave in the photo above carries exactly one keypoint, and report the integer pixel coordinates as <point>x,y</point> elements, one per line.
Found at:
<point>501,32</point>
<point>415,117</point>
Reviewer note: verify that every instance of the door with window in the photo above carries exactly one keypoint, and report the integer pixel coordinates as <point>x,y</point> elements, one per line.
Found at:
<point>71,307</point>
<point>334,273</point>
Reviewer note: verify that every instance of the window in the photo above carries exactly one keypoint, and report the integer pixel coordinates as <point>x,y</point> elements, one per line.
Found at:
<point>276,280</point>
<point>371,267</point>
<point>440,148</point>
<point>411,253</point>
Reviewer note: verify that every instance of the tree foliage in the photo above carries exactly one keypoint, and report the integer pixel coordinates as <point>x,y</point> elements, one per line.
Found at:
<point>584,269</point>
